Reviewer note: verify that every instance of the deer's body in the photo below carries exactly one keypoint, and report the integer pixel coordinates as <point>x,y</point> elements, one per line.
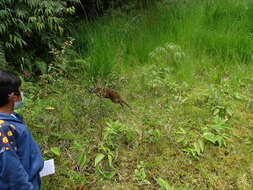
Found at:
<point>110,94</point>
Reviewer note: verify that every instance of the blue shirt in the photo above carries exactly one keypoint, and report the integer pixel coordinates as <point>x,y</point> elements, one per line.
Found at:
<point>20,157</point>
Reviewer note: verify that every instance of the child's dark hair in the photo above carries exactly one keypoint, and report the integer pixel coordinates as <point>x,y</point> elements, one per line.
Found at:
<point>9,83</point>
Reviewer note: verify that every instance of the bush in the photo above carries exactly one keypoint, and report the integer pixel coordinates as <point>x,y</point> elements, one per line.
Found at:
<point>29,29</point>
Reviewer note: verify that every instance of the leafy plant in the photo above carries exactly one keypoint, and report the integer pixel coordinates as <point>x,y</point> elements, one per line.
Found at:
<point>63,56</point>
<point>217,133</point>
<point>99,158</point>
<point>182,136</point>
<point>112,135</point>
<point>56,151</point>
<point>140,174</point>
<point>197,150</point>
<point>80,154</point>
<point>28,29</point>
<point>170,54</point>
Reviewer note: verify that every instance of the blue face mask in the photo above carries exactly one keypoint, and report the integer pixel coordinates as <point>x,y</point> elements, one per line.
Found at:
<point>19,104</point>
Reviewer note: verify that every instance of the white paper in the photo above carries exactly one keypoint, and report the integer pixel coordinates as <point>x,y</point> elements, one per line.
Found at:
<point>48,169</point>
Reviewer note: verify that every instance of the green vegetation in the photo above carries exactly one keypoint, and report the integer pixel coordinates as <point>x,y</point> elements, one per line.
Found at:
<point>185,68</point>
<point>29,29</point>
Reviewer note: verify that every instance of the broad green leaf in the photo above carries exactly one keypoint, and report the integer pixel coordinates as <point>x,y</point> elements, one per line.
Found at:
<point>99,158</point>
<point>196,148</point>
<point>56,151</point>
<point>210,137</point>
<point>163,184</point>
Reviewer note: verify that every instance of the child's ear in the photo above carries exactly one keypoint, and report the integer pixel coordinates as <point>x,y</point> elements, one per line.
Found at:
<point>14,98</point>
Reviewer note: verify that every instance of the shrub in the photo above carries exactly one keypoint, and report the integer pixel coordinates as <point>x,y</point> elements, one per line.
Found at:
<point>29,29</point>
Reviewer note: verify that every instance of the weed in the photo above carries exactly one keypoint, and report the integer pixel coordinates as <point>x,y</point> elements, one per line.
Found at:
<point>219,107</point>
<point>112,135</point>
<point>197,149</point>
<point>81,157</point>
<point>170,54</point>
<point>217,133</point>
<point>140,174</point>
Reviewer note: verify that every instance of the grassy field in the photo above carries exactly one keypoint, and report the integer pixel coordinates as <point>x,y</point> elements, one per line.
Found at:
<point>186,71</point>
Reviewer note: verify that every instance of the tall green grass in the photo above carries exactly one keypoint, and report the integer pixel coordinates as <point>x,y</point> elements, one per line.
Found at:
<point>218,29</point>
<point>173,102</point>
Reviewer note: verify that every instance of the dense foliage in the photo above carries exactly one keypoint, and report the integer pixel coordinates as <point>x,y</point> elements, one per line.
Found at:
<point>29,29</point>
<point>93,8</point>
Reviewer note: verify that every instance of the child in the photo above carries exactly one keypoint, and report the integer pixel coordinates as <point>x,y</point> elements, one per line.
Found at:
<point>20,158</point>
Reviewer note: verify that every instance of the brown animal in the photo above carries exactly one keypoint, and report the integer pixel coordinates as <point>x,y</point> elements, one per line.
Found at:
<point>110,94</point>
